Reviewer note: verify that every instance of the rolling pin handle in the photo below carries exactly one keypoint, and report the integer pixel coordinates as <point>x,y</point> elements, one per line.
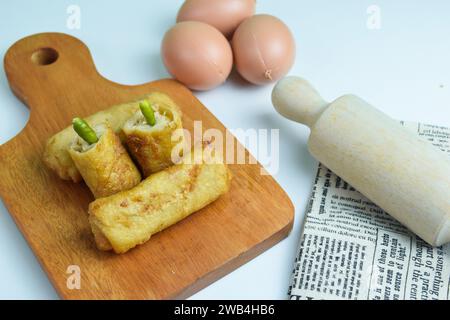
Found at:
<point>296,99</point>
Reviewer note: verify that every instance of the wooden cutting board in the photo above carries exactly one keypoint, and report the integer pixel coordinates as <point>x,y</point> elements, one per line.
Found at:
<point>54,75</point>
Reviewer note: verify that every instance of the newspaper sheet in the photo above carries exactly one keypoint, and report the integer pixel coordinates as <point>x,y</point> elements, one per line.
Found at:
<point>352,249</point>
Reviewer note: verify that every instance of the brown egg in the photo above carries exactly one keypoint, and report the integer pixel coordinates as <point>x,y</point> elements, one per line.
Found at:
<point>264,49</point>
<point>197,55</point>
<point>225,15</point>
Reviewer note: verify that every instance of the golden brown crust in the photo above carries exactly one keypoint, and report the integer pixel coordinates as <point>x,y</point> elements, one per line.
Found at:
<point>106,167</point>
<point>100,240</point>
<point>130,218</point>
<point>152,149</point>
<point>56,155</point>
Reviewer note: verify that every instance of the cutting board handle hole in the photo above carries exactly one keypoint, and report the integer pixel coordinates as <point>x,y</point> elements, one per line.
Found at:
<point>44,56</point>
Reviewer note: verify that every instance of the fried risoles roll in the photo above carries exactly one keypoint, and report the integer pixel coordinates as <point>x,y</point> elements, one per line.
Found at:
<point>106,166</point>
<point>56,154</point>
<point>151,146</point>
<point>129,218</point>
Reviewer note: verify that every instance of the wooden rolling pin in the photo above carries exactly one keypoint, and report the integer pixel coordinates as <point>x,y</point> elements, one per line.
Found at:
<point>404,175</point>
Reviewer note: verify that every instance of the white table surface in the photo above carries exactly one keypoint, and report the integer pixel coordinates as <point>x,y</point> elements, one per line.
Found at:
<point>403,68</point>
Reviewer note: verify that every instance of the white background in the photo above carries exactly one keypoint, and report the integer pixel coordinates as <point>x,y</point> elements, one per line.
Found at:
<point>402,68</point>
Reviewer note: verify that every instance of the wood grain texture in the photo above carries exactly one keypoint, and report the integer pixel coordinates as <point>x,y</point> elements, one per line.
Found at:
<point>52,213</point>
<point>403,174</point>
